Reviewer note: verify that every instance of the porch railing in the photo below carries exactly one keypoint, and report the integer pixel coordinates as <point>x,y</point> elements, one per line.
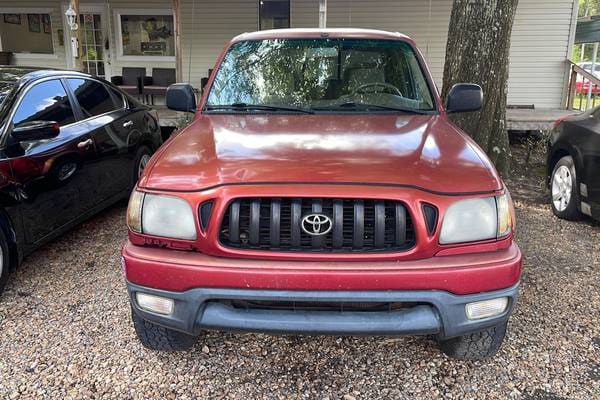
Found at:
<point>583,90</point>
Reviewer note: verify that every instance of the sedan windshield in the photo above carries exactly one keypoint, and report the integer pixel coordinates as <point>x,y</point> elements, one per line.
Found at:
<point>341,75</point>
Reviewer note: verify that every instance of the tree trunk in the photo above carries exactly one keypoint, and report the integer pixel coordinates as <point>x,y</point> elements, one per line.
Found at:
<point>477,51</point>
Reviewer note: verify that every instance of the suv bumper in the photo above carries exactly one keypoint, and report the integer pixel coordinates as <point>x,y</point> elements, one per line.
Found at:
<point>434,312</point>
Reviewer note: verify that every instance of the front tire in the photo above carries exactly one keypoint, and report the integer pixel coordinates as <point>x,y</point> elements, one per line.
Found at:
<point>4,261</point>
<point>156,337</point>
<point>476,345</point>
<point>565,198</point>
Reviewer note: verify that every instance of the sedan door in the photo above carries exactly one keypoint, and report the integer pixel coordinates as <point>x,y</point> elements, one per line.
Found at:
<point>50,174</point>
<point>101,111</point>
<point>113,131</point>
<point>590,148</point>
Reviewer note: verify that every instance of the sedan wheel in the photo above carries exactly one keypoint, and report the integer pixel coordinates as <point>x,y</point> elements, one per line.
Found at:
<point>562,185</point>
<point>142,165</point>
<point>565,196</point>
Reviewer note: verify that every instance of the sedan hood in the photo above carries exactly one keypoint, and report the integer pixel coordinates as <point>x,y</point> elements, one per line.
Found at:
<point>423,151</point>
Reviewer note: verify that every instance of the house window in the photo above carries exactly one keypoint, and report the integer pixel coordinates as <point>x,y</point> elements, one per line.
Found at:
<point>274,14</point>
<point>26,33</point>
<point>147,35</point>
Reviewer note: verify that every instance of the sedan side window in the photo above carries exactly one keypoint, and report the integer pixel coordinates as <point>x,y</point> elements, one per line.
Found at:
<point>92,96</point>
<point>46,101</point>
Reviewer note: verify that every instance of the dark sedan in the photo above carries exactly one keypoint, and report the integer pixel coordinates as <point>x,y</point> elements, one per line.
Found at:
<point>70,145</point>
<point>574,166</point>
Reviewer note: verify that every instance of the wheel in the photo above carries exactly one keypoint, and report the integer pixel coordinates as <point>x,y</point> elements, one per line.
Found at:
<point>565,193</point>
<point>476,345</point>
<point>142,156</point>
<point>156,337</point>
<point>4,261</point>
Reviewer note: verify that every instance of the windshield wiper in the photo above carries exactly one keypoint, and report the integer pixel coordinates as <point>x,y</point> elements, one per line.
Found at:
<point>267,107</point>
<point>366,106</point>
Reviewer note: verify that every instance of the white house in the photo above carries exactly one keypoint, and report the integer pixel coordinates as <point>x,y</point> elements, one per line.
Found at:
<point>189,34</point>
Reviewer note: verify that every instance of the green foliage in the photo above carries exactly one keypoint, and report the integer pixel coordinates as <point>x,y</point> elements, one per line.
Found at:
<point>592,7</point>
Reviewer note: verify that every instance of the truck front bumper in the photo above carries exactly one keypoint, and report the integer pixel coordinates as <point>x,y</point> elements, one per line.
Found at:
<point>431,312</point>
<point>433,292</point>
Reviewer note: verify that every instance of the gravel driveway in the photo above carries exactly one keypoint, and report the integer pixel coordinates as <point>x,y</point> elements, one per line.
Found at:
<point>65,332</point>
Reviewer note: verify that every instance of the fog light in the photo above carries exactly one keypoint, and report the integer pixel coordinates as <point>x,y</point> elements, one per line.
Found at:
<point>486,308</point>
<point>155,304</point>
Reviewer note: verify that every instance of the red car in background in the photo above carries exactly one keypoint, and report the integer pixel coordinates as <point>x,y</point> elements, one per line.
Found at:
<point>582,85</point>
<point>322,189</point>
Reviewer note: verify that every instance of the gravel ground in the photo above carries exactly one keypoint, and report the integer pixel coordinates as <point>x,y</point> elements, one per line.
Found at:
<point>65,332</point>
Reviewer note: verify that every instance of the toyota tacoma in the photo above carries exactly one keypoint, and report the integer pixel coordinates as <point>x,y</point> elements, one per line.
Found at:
<point>322,189</point>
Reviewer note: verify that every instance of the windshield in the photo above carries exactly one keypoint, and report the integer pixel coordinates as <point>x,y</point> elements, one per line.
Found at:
<point>321,74</point>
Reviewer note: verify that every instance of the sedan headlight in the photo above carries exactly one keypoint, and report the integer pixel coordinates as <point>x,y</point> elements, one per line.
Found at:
<point>472,220</point>
<point>161,215</point>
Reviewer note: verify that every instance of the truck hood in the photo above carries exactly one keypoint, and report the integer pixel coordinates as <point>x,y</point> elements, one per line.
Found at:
<point>423,151</point>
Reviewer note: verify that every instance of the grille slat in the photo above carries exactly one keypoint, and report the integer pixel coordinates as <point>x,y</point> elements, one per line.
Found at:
<point>357,225</point>
<point>254,229</point>
<point>379,223</point>
<point>338,224</point>
<point>275,222</point>
<point>234,222</point>
<point>400,225</point>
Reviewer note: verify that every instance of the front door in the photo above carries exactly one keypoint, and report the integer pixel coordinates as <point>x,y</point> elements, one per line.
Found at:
<point>94,44</point>
<point>51,174</point>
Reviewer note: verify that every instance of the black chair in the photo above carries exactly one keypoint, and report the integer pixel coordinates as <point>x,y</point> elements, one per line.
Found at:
<point>131,80</point>
<point>157,84</point>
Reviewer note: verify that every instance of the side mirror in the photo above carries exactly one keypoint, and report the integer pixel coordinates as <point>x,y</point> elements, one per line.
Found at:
<point>464,97</point>
<point>181,97</point>
<point>203,83</point>
<point>36,130</point>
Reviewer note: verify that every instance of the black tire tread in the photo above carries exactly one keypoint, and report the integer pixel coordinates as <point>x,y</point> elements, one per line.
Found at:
<point>156,337</point>
<point>476,345</point>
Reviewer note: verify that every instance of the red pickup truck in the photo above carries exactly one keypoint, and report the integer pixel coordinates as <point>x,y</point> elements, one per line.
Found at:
<point>322,189</point>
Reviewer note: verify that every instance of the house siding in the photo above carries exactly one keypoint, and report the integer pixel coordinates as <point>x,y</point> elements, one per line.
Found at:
<point>539,47</point>
<point>539,42</point>
<point>305,13</point>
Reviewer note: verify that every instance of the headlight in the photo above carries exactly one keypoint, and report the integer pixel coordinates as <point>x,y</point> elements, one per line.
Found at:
<point>161,215</point>
<point>472,220</point>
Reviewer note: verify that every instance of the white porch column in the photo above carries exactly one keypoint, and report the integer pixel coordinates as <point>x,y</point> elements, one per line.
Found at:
<point>322,13</point>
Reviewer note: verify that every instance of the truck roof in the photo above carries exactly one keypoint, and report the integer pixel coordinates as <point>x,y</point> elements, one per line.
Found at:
<point>354,33</point>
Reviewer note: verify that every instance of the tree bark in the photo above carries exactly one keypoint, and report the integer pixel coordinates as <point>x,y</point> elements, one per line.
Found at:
<point>477,51</point>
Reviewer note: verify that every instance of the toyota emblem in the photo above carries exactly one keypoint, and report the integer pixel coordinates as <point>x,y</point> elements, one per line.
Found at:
<point>316,224</point>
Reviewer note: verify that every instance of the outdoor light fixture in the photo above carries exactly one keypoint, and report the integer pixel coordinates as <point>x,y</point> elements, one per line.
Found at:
<point>71,18</point>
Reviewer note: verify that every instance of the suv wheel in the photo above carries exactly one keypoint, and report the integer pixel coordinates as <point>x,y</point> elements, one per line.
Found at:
<point>476,345</point>
<point>4,261</point>
<point>565,194</point>
<point>156,337</point>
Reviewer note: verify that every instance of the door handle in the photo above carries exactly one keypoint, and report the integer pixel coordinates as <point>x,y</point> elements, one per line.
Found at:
<point>127,124</point>
<point>85,144</point>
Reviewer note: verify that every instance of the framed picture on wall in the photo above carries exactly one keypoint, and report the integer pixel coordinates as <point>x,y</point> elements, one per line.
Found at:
<point>46,23</point>
<point>34,23</point>
<point>12,19</point>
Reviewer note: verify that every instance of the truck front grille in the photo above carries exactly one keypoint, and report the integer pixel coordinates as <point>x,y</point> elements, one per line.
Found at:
<point>356,225</point>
